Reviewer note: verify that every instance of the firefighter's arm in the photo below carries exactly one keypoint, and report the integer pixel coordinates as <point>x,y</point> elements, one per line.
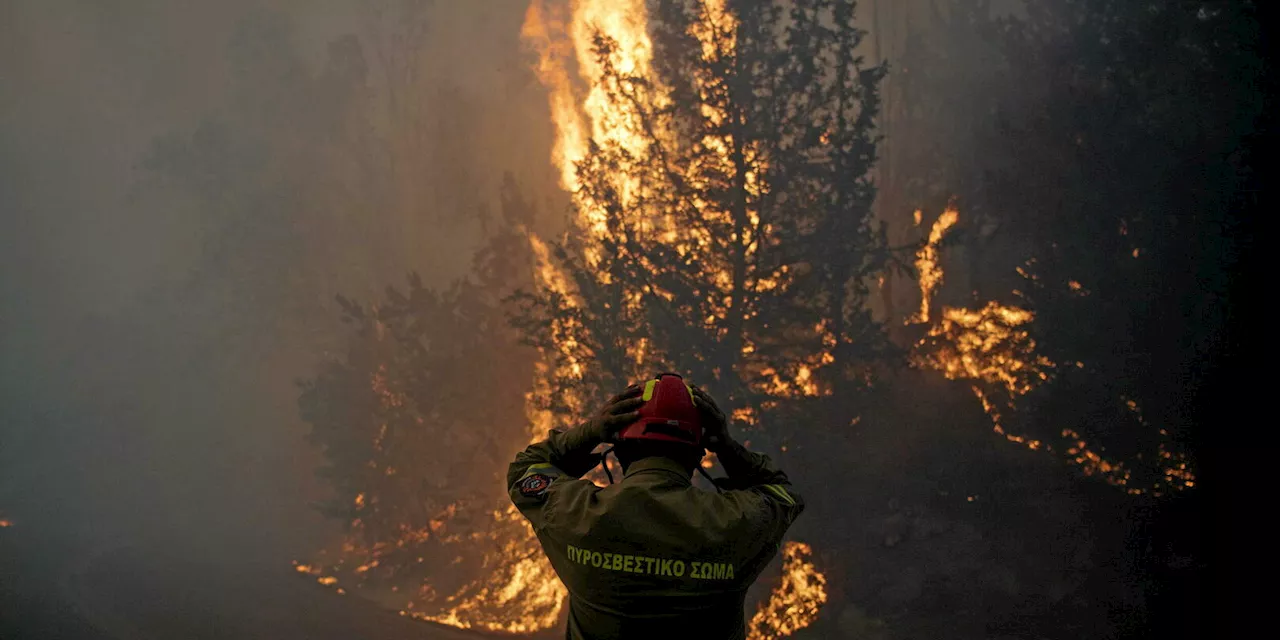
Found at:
<point>568,451</point>
<point>565,455</point>
<point>750,471</point>
<point>745,470</point>
<point>761,494</point>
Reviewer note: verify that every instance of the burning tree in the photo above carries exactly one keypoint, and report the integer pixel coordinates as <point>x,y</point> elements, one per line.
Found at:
<point>416,423</point>
<point>709,198</point>
<point>721,223</point>
<point>717,155</point>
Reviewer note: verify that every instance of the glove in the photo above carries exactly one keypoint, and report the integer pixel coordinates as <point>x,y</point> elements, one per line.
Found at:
<point>715,427</point>
<point>618,412</point>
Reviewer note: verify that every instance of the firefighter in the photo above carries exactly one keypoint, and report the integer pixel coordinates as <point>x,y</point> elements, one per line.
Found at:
<point>653,556</point>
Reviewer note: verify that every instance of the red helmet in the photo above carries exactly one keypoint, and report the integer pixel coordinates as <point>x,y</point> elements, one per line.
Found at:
<point>668,414</point>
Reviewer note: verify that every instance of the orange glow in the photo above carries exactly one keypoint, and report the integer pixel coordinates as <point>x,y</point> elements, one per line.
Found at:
<point>992,348</point>
<point>520,595</point>
<point>795,602</point>
<point>593,109</point>
<point>988,345</point>
<point>592,105</point>
<point>927,259</point>
<point>544,32</point>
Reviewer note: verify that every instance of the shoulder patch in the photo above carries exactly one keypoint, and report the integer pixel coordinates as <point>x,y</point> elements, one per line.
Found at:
<point>534,485</point>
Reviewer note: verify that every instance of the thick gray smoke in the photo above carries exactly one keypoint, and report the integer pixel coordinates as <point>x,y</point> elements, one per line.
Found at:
<point>180,199</point>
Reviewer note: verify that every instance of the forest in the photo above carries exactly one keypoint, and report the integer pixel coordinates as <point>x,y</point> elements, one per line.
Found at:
<point>968,270</point>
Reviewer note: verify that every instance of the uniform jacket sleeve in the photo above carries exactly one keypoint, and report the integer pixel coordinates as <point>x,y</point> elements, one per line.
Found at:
<point>548,467</point>
<point>763,487</point>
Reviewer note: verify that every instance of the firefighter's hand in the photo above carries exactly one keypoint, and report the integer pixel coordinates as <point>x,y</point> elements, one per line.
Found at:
<point>715,427</point>
<point>618,412</point>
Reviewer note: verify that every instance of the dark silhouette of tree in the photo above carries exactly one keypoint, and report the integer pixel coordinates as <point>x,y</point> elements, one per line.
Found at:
<point>417,419</point>
<point>1136,116</point>
<point>1093,150</point>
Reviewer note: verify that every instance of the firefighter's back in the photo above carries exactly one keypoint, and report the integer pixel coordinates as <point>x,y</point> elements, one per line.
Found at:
<point>655,557</point>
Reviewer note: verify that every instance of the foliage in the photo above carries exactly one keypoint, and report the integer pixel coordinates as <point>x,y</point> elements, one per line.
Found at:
<point>417,420</point>
<point>726,233</point>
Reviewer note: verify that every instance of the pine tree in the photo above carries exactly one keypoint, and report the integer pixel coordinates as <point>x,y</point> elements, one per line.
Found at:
<point>722,228</point>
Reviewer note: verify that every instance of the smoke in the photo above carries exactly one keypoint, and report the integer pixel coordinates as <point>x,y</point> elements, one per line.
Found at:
<point>158,300</point>
<point>185,187</point>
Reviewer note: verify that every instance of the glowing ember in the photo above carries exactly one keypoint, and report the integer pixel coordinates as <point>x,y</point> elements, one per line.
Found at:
<point>794,604</point>
<point>5,523</point>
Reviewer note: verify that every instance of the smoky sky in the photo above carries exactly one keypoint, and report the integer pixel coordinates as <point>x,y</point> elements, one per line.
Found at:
<point>113,412</point>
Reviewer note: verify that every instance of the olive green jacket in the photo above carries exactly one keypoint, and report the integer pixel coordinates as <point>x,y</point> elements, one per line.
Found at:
<point>652,556</point>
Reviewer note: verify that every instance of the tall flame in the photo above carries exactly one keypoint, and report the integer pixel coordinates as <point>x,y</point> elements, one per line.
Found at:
<point>586,111</point>
<point>590,114</point>
<point>544,30</point>
<point>927,259</point>
<point>794,604</point>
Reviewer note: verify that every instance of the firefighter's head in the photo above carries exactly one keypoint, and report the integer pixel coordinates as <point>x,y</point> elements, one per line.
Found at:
<point>629,452</point>
<point>669,425</point>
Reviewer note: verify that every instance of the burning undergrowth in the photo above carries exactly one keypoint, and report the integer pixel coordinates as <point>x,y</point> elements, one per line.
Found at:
<point>992,348</point>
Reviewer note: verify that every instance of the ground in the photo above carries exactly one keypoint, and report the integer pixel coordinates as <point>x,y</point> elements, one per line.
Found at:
<point>54,589</point>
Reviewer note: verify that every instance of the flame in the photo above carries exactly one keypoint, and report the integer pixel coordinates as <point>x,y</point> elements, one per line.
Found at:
<point>544,30</point>
<point>794,603</point>
<point>595,38</point>
<point>587,54</point>
<point>516,592</point>
<point>989,344</point>
<point>992,348</point>
<point>927,259</point>
<point>595,58</point>
<point>594,115</point>
<point>521,594</point>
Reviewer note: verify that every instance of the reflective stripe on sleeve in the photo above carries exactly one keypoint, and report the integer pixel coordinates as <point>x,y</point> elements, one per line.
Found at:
<point>544,468</point>
<point>779,493</point>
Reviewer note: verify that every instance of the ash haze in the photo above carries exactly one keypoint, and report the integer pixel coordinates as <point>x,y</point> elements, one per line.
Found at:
<point>97,249</point>
<point>150,346</point>
<point>190,192</point>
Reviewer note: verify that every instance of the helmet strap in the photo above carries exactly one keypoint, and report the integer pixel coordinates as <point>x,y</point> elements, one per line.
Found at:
<point>604,463</point>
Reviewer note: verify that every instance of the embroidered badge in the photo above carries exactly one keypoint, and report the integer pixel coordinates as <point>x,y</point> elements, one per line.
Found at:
<point>534,485</point>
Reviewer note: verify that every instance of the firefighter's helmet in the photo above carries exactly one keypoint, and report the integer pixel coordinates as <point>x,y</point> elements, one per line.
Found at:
<point>667,415</point>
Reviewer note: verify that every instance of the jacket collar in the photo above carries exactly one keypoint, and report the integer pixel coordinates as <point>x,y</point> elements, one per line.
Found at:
<point>658,466</point>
